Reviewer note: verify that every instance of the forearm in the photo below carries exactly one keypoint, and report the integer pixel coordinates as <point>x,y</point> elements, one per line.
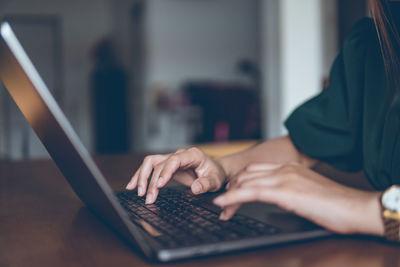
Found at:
<point>336,207</point>
<point>279,150</point>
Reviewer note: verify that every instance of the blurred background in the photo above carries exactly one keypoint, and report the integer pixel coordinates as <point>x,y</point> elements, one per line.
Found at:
<point>156,75</point>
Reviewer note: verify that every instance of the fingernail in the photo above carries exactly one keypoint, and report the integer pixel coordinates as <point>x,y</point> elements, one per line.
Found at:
<point>150,198</point>
<point>160,182</point>
<point>223,216</point>
<point>140,191</point>
<point>219,201</point>
<point>129,186</point>
<point>197,188</point>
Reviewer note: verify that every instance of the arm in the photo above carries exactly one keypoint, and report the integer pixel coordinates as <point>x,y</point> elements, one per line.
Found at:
<point>282,177</point>
<point>298,189</point>
<point>202,173</point>
<point>280,150</point>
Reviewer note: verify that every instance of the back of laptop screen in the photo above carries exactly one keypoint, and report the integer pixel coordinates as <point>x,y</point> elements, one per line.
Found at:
<point>54,130</point>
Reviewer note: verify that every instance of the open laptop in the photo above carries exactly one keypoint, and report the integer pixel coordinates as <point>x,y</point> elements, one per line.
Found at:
<point>179,225</point>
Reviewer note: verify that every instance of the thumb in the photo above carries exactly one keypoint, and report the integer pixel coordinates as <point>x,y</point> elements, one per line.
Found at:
<point>229,211</point>
<point>205,184</point>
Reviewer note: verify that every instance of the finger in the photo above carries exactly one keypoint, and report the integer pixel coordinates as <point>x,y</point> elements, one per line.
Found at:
<point>246,194</point>
<point>205,184</point>
<point>228,212</point>
<point>228,186</point>
<point>146,169</point>
<point>261,181</point>
<point>133,182</point>
<point>245,176</point>
<point>190,158</point>
<point>152,192</point>
<point>255,167</point>
<point>171,166</point>
<point>185,177</point>
<point>234,197</point>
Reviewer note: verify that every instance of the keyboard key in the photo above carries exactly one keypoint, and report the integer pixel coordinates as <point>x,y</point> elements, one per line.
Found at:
<point>183,221</point>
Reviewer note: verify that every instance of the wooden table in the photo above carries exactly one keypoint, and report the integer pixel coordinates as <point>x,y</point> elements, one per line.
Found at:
<point>43,223</point>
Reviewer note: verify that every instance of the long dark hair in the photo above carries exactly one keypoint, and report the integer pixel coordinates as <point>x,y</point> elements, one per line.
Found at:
<point>387,27</point>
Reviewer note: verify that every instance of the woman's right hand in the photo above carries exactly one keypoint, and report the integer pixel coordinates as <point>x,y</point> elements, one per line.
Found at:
<point>189,166</point>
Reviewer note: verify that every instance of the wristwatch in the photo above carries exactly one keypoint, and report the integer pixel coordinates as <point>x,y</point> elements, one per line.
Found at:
<point>390,202</point>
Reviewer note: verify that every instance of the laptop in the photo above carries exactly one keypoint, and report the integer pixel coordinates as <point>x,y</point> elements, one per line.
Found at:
<point>178,225</point>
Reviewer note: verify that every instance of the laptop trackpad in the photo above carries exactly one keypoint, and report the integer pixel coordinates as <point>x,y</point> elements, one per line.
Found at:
<point>270,214</point>
<point>275,216</point>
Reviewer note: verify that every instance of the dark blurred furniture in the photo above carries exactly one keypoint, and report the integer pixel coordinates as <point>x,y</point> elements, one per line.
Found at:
<point>230,111</point>
<point>110,111</point>
<point>43,223</point>
<point>349,12</point>
<point>109,85</point>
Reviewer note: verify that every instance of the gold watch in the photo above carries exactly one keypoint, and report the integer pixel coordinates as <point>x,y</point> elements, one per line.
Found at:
<point>390,202</point>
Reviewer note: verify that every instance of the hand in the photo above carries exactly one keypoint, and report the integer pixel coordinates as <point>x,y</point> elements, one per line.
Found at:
<point>298,189</point>
<point>190,167</point>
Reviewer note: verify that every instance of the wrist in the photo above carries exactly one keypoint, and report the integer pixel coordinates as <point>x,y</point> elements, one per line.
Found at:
<point>372,221</point>
<point>230,165</point>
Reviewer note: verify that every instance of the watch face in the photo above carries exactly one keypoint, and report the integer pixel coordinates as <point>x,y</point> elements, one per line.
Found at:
<point>391,199</point>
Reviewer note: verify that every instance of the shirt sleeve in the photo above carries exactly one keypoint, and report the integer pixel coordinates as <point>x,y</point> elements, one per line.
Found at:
<point>329,126</point>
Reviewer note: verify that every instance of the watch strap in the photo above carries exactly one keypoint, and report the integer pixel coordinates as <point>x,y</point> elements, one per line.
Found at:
<point>392,228</point>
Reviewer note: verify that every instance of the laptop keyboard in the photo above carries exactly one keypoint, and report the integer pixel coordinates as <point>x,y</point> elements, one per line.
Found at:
<point>181,219</point>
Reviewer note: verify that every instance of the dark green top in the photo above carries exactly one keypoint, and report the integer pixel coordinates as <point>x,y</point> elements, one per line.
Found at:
<point>350,125</point>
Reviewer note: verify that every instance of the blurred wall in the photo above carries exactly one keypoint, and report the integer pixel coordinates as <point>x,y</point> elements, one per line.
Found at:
<point>83,23</point>
<point>199,39</point>
<point>299,45</point>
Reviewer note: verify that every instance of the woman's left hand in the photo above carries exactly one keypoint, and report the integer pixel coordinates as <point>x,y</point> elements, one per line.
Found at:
<point>308,194</point>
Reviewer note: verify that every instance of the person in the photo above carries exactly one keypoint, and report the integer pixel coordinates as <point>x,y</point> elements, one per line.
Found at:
<point>352,125</point>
